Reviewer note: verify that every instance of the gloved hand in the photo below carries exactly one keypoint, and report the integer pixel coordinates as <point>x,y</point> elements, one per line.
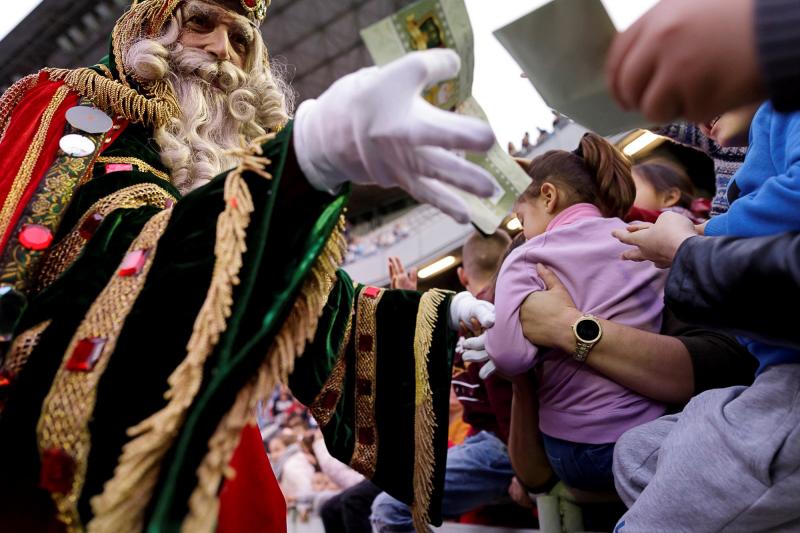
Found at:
<point>464,307</point>
<point>475,352</point>
<point>374,127</point>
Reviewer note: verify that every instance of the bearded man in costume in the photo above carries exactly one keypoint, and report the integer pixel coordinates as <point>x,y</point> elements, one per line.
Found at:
<point>171,243</point>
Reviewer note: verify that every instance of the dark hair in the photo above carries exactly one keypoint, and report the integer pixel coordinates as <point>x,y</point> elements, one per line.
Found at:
<point>664,177</point>
<point>595,173</point>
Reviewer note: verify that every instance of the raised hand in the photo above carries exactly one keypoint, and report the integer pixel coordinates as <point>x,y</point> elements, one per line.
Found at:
<point>687,58</point>
<point>400,278</point>
<point>374,127</point>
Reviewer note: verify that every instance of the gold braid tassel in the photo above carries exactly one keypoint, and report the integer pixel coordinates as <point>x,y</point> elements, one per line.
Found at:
<point>424,418</point>
<point>119,99</point>
<point>125,497</point>
<point>299,328</point>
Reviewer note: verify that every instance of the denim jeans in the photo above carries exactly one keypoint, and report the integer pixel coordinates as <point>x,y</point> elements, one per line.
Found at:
<point>478,473</point>
<point>582,466</point>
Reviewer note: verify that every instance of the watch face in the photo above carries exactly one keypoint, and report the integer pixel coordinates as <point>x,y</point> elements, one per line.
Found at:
<point>587,330</point>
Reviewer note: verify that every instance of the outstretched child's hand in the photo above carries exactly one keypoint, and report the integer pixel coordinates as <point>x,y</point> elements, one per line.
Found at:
<point>656,242</point>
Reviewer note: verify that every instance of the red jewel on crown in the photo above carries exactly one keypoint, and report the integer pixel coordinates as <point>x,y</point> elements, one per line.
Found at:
<point>249,3</point>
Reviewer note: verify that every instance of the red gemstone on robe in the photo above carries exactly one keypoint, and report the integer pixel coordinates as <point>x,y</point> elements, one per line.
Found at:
<point>133,263</point>
<point>365,343</point>
<point>90,225</point>
<point>364,387</point>
<point>329,400</point>
<point>35,237</point>
<point>6,378</point>
<point>366,436</point>
<point>86,354</point>
<point>58,471</point>
<point>372,292</point>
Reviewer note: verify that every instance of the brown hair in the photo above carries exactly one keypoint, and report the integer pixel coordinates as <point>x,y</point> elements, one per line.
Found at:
<point>595,173</point>
<point>664,177</point>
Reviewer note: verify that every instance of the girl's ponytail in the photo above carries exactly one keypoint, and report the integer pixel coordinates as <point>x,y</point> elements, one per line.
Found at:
<point>611,171</point>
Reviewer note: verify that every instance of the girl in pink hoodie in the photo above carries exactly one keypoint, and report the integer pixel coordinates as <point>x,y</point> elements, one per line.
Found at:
<point>574,202</point>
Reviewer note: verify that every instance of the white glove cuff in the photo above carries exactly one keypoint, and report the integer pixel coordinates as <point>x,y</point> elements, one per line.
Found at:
<point>459,300</point>
<point>307,149</point>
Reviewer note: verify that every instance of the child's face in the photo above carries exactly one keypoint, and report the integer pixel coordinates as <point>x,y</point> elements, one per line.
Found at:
<point>533,215</point>
<point>276,449</point>
<point>319,482</point>
<point>732,128</point>
<point>647,197</point>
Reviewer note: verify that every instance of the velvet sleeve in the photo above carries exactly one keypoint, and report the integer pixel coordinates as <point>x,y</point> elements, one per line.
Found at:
<point>377,379</point>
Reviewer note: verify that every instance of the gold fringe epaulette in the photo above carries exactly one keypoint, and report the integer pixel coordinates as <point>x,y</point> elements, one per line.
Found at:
<point>116,98</point>
<point>125,497</point>
<point>298,329</point>
<point>424,418</point>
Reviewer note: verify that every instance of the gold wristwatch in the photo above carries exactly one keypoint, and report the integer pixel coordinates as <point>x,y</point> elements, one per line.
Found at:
<point>587,332</point>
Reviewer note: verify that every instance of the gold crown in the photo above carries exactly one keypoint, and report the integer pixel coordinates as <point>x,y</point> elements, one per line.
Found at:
<point>256,9</point>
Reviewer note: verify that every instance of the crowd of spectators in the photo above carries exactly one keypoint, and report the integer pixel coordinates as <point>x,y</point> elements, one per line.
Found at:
<point>639,357</point>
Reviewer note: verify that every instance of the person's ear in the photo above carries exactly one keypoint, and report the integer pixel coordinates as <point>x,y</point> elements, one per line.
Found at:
<point>549,195</point>
<point>462,277</point>
<point>671,197</point>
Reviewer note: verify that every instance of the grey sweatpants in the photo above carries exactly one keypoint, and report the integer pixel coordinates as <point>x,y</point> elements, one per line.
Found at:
<point>729,462</point>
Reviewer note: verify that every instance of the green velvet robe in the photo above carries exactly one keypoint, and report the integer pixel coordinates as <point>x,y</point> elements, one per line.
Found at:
<point>364,371</point>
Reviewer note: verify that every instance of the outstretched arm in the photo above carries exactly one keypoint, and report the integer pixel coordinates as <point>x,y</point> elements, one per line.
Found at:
<point>665,368</point>
<point>738,293</point>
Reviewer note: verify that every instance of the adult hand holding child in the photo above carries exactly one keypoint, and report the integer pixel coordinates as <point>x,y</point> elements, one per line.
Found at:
<point>657,242</point>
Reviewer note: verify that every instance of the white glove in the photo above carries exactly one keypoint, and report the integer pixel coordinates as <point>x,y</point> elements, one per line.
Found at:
<point>464,307</point>
<point>475,352</point>
<point>374,127</point>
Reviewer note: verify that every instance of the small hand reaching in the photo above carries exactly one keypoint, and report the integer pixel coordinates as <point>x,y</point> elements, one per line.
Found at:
<point>657,242</point>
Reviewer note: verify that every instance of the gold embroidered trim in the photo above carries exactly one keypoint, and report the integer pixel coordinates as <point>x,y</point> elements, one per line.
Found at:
<point>424,417</point>
<point>106,71</point>
<point>122,504</point>
<point>143,167</point>
<point>63,254</point>
<point>144,19</point>
<point>12,97</point>
<point>25,171</point>
<point>299,327</point>
<point>113,96</point>
<point>365,451</point>
<point>70,403</point>
<point>22,347</point>
<point>324,405</point>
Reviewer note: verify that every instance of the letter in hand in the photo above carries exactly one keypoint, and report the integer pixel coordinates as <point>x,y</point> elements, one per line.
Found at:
<point>657,242</point>
<point>374,127</point>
